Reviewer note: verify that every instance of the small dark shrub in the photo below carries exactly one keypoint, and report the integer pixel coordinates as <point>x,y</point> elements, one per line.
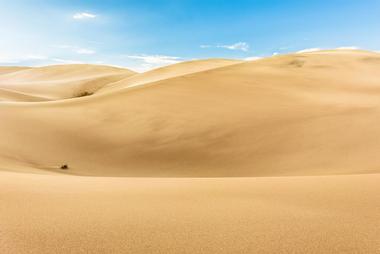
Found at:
<point>85,93</point>
<point>297,63</point>
<point>64,167</point>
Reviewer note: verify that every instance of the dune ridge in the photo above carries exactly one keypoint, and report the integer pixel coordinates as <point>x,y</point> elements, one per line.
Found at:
<point>171,71</point>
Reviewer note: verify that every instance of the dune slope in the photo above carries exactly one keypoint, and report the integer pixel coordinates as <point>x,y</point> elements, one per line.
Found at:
<point>302,114</point>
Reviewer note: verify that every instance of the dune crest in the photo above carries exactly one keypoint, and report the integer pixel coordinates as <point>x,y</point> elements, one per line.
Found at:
<point>171,71</point>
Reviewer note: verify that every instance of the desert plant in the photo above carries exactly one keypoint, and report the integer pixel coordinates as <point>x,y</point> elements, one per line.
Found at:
<point>84,93</point>
<point>64,167</point>
<point>297,63</point>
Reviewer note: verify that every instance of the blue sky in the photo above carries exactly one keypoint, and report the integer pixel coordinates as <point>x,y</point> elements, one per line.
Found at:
<point>146,34</point>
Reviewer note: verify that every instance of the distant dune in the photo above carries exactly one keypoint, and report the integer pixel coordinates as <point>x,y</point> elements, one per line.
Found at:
<point>278,155</point>
<point>59,81</point>
<point>6,69</point>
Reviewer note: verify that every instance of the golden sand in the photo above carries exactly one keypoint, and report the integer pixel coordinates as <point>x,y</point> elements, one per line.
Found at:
<point>278,155</point>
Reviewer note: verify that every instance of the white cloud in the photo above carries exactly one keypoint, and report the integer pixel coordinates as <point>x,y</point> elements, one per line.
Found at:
<point>156,59</point>
<point>40,60</point>
<point>243,46</point>
<point>75,49</point>
<point>36,57</point>
<point>21,59</point>
<point>84,15</point>
<point>66,61</point>
<point>252,58</point>
<point>319,49</point>
<point>309,50</point>
<point>147,62</point>
<point>348,48</point>
<point>83,51</point>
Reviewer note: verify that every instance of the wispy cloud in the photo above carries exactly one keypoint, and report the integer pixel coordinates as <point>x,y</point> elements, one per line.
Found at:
<point>348,48</point>
<point>83,51</point>
<point>147,62</point>
<point>308,50</point>
<point>36,57</point>
<point>252,58</point>
<point>84,15</point>
<point>75,49</point>
<point>243,46</point>
<point>66,61</point>
<point>319,49</point>
<point>22,59</point>
<point>156,59</point>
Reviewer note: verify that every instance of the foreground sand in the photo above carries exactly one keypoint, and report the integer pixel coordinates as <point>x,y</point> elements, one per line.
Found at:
<point>279,155</point>
<point>67,214</point>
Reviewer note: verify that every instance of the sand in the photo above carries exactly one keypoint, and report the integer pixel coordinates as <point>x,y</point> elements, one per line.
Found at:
<point>66,214</point>
<point>278,155</point>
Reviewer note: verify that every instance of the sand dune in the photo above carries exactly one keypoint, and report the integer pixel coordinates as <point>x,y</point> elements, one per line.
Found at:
<point>299,114</point>
<point>60,81</point>
<point>278,155</point>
